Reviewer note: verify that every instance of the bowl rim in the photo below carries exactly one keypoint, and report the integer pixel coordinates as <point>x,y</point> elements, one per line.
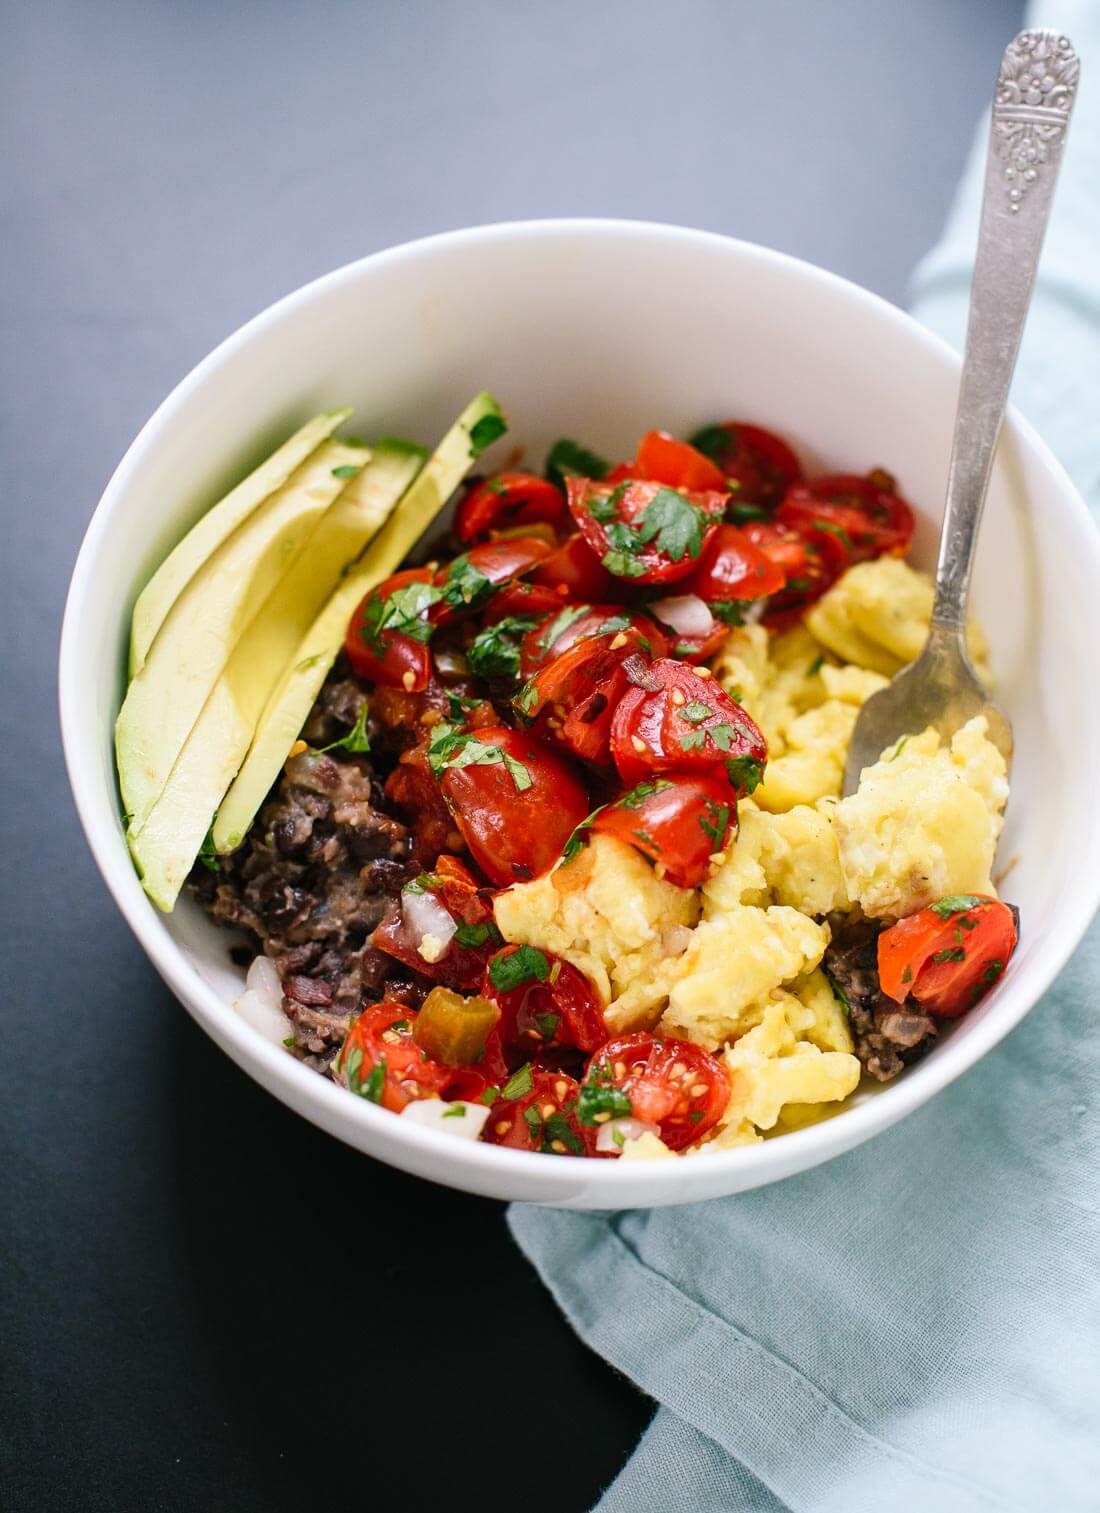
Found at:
<point>319,1099</point>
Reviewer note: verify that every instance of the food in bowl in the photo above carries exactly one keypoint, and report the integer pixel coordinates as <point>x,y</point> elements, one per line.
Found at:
<point>540,832</point>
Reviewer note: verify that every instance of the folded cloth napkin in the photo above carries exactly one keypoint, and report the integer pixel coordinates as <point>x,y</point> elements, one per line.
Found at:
<point>916,1325</point>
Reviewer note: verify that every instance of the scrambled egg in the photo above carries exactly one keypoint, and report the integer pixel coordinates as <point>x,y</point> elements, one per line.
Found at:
<point>923,823</point>
<point>734,965</point>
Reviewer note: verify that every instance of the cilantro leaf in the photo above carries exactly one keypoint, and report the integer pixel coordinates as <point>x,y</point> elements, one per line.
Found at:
<point>729,611</point>
<point>465,586</point>
<point>695,712</point>
<point>738,510</point>
<point>673,524</point>
<point>207,855</point>
<point>642,791</point>
<point>718,824</point>
<point>956,903</point>
<point>347,470</point>
<point>356,739</point>
<point>485,431</point>
<point>745,773</point>
<point>511,969</point>
<point>713,441</point>
<point>472,936</point>
<point>404,611</point>
<point>622,564</point>
<point>456,1111</point>
<point>561,623</point>
<point>953,953</point>
<point>569,459</point>
<point>519,1084</point>
<point>494,652</point>
<point>599,1100</point>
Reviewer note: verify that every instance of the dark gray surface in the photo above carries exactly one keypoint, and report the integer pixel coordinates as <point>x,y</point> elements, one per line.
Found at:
<point>205,1304</point>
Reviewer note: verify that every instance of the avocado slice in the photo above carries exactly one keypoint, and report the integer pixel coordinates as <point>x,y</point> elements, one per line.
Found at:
<point>296,692</point>
<point>165,847</point>
<point>218,523</point>
<point>207,620</point>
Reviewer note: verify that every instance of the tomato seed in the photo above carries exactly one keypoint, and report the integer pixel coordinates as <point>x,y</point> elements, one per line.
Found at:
<point>559,1146</point>
<point>638,744</point>
<point>560,1090</point>
<point>678,697</point>
<point>704,672</point>
<point>620,1069</point>
<point>601,1118</point>
<point>620,640</point>
<point>548,1111</point>
<point>407,680</point>
<point>678,1069</point>
<point>502,1126</point>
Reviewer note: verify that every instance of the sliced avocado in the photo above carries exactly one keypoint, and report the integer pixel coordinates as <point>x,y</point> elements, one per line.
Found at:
<point>166,845</point>
<point>209,617</point>
<point>297,689</point>
<point>219,522</point>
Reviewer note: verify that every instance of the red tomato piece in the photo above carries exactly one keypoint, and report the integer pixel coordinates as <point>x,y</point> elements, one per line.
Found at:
<point>381,1061</point>
<point>388,656</point>
<point>683,720</point>
<point>470,580</point>
<point>508,499</point>
<point>545,1002</point>
<point>472,1084</point>
<point>808,572</point>
<point>663,459</point>
<point>462,964</point>
<point>573,698</point>
<point>678,821</point>
<point>562,631</point>
<point>522,600</point>
<point>515,801</point>
<point>542,1118</point>
<point>949,955</point>
<point>758,466</point>
<point>863,516</point>
<point>645,532</point>
<point>671,1083</point>
<point>699,649</point>
<point>734,567</point>
<point>574,571</point>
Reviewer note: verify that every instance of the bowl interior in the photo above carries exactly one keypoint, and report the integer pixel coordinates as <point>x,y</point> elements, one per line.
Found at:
<point>600,331</point>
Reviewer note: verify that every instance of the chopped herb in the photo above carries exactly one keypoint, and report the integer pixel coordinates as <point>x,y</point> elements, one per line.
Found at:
<point>458,707</point>
<point>472,936</point>
<point>622,564</point>
<point>290,1042</point>
<point>426,882</point>
<point>673,524</point>
<point>799,585</point>
<point>465,586</point>
<point>722,735</point>
<point>207,855</point>
<point>495,486</point>
<point>815,666</point>
<point>370,1087</point>
<point>618,1137</point>
<point>718,824</point>
<point>745,773</point>
<point>695,712</point>
<point>490,1095</point>
<point>956,903</point>
<point>577,838</point>
<point>738,510</point>
<point>694,740</point>
<point>598,1096</point>
<point>967,922</point>
<point>556,1130</point>
<point>404,611</point>
<point>610,627</point>
<point>485,431</point>
<point>714,442</point>
<point>834,530</point>
<point>547,1025</point>
<point>356,738</point>
<point>512,969</point>
<point>450,747</point>
<point>347,470</point>
<point>519,1084</point>
<point>400,1024</point>
<point>907,975</point>
<point>898,749</point>
<point>527,698</point>
<point>494,651</point>
<point>645,838</point>
<point>695,1115</point>
<point>569,459</point>
<point>642,791</point>
<point>953,953</point>
<point>307,662</point>
<point>561,623</point>
<point>533,1120</point>
<point>456,1111</point>
<point>993,970</point>
<point>729,611</point>
<point>838,992</point>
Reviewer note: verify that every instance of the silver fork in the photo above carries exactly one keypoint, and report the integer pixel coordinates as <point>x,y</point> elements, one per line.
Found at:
<point>1032,103</point>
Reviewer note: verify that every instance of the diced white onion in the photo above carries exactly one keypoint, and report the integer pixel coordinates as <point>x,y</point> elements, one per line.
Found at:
<point>450,660</point>
<point>687,614</point>
<point>264,1016</point>
<point>466,1120</point>
<point>263,978</point>
<point>625,1129</point>
<point>424,915</point>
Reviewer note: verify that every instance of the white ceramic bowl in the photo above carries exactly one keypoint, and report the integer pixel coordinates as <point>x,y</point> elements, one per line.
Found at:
<point>600,330</point>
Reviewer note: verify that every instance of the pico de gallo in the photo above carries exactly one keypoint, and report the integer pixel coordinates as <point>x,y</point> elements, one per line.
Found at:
<point>540,680</point>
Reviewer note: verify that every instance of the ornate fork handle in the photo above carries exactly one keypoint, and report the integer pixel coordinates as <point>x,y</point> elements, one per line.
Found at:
<point>1034,97</point>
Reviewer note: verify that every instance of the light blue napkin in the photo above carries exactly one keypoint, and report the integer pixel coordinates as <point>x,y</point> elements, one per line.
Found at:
<point>915,1326</point>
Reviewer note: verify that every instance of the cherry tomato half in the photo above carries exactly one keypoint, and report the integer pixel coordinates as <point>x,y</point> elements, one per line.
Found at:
<point>522,600</point>
<point>861,515</point>
<point>514,800</point>
<point>757,465</point>
<point>949,955</point>
<point>462,964</point>
<point>544,1001</point>
<point>671,1083</point>
<point>645,532</point>
<point>682,720</point>
<point>562,631</point>
<point>470,580</point>
<point>734,567</point>
<point>388,656</point>
<point>508,499</point>
<point>382,1062</point>
<point>678,821</point>
<point>543,1118</point>
<point>808,574</point>
<point>663,459</point>
<point>574,571</point>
